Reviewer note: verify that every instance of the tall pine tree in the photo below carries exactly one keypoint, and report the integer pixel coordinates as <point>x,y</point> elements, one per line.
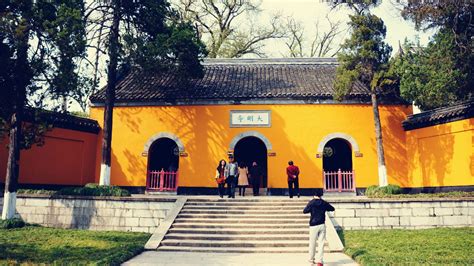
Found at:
<point>364,57</point>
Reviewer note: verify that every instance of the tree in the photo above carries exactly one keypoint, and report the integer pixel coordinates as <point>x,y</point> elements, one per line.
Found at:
<point>38,40</point>
<point>220,22</point>
<point>430,76</point>
<point>322,43</point>
<point>146,34</point>
<point>443,72</point>
<point>364,57</point>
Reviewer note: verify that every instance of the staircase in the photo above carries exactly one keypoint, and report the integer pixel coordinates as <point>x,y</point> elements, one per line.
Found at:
<point>239,225</point>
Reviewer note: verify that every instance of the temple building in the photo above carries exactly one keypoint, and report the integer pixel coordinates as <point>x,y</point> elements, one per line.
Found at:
<point>170,135</point>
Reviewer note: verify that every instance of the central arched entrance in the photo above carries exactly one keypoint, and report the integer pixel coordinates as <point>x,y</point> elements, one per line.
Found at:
<point>337,166</point>
<point>163,165</point>
<point>250,149</point>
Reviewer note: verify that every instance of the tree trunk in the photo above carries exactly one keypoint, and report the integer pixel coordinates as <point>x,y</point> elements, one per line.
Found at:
<point>64,104</point>
<point>110,97</point>
<point>378,136</point>
<point>13,165</point>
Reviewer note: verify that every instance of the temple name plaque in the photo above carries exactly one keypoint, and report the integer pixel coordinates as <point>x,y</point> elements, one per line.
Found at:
<point>250,118</point>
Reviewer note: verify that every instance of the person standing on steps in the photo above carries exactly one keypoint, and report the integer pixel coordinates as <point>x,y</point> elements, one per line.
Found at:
<point>317,207</point>
<point>243,178</point>
<point>231,175</point>
<point>293,172</point>
<point>220,177</point>
<point>256,175</point>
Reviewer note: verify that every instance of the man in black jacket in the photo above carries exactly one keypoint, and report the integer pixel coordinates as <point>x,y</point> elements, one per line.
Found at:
<point>317,230</point>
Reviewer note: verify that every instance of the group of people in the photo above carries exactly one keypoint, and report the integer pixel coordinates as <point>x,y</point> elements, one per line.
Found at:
<point>235,175</point>
<point>238,175</point>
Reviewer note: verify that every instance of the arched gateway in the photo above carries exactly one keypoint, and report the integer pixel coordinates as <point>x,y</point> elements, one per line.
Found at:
<point>163,162</point>
<point>252,146</point>
<point>336,150</point>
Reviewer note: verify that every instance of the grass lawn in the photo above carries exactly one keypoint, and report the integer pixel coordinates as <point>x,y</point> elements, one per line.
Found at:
<point>441,246</point>
<point>35,245</point>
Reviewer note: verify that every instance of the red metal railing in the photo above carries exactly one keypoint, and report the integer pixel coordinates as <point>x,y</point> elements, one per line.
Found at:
<point>162,181</point>
<point>339,181</point>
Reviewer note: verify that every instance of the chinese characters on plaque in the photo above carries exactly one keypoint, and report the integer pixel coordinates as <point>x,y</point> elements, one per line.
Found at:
<point>252,118</point>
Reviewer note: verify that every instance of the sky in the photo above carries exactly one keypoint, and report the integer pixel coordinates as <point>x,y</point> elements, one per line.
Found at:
<point>309,11</point>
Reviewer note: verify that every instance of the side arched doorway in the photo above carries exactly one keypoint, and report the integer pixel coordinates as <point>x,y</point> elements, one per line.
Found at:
<point>337,166</point>
<point>163,165</point>
<point>252,149</point>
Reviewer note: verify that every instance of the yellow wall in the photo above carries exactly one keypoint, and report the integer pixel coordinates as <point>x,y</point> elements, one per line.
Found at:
<point>295,134</point>
<point>441,155</point>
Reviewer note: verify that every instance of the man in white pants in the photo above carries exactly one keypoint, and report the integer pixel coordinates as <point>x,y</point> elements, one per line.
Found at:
<point>317,230</point>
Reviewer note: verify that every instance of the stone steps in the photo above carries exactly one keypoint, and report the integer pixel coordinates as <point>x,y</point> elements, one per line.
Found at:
<point>239,231</point>
<point>248,221</point>
<point>239,226</point>
<point>243,216</point>
<point>234,250</point>
<point>230,237</point>
<point>234,243</point>
<point>221,207</point>
<point>242,225</point>
<point>235,211</point>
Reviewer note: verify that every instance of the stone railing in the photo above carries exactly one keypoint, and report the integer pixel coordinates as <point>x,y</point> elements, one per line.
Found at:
<point>402,213</point>
<point>95,213</point>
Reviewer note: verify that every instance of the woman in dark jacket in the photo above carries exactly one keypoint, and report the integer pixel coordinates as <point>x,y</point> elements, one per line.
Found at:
<point>220,177</point>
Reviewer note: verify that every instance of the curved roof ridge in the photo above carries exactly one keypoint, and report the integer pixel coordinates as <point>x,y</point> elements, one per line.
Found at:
<point>271,61</point>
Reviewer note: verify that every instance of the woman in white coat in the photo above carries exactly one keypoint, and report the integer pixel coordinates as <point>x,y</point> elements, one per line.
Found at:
<point>243,178</point>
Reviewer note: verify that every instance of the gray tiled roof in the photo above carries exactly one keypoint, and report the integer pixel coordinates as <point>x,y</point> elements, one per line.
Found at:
<point>61,120</point>
<point>459,111</point>
<point>237,80</point>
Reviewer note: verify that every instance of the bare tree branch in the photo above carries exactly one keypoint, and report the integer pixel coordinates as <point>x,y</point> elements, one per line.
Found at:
<point>217,24</point>
<point>323,43</point>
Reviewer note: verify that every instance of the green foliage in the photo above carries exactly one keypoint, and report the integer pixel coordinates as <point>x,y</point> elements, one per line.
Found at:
<point>51,246</point>
<point>161,41</point>
<point>440,246</point>
<point>36,191</point>
<point>452,194</point>
<point>443,72</point>
<point>40,44</point>
<point>94,190</point>
<point>434,76</point>
<point>12,223</point>
<point>376,191</point>
<point>363,56</point>
<point>90,189</point>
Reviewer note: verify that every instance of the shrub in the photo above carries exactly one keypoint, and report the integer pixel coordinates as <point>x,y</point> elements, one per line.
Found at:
<point>391,189</point>
<point>95,190</point>
<point>12,223</point>
<point>36,191</point>
<point>375,191</point>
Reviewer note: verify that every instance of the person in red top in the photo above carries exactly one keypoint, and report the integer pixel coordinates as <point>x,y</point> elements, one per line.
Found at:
<point>293,172</point>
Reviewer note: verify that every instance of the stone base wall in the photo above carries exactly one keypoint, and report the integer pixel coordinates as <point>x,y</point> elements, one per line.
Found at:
<point>119,214</point>
<point>403,214</point>
<point>144,214</point>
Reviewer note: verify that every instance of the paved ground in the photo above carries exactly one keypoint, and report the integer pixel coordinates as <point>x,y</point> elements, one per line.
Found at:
<point>195,258</point>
